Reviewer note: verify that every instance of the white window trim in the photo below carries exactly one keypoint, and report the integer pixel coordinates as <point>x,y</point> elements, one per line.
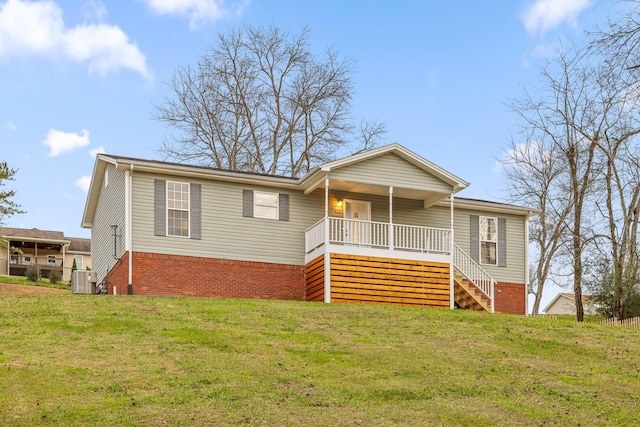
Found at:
<point>255,203</point>
<point>480,240</point>
<point>166,209</point>
<point>79,265</point>
<point>106,178</point>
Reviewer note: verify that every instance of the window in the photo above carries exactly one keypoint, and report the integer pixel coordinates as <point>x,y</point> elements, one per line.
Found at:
<point>78,260</point>
<point>177,209</point>
<point>26,260</point>
<point>488,240</point>
<point>14,258</point>
<point>51,260</point>
<point>265,205</point>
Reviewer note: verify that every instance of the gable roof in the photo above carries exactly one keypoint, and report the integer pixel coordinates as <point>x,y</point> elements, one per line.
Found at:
<point>314,178</point>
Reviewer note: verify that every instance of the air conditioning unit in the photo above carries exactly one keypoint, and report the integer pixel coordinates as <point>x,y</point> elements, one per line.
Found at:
<point>93,277</point>
<point>81,282</point>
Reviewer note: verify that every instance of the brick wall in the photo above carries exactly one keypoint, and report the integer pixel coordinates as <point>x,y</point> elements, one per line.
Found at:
<point>510,298</point>
<point>118,276</point>
<point>158,274</point>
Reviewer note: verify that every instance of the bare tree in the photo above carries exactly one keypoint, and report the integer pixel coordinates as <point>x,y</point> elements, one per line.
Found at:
<point>259,101</point>
<point>533,170</point>
<point>568,122</point>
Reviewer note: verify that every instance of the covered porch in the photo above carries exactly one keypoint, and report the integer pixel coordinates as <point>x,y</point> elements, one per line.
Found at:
<point>387,236</point>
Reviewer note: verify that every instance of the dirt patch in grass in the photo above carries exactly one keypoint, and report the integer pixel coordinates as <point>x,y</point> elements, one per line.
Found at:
<point>13,289</point>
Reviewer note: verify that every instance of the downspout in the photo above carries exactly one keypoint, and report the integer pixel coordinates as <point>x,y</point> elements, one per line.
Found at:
<point>327,255</point>
<point>526,264</point>
<point>127,226</point>
<point>452,303</point>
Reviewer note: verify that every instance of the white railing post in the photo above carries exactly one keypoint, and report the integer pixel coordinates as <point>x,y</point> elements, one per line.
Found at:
<point>391,218</point>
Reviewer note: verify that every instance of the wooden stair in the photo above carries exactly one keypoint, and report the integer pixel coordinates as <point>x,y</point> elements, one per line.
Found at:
<point>467,295</point>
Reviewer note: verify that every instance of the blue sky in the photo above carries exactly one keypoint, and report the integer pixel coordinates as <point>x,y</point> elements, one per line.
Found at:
<point>78,78</point>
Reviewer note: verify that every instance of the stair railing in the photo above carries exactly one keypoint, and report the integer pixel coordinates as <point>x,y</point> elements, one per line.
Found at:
<point>474,273</point>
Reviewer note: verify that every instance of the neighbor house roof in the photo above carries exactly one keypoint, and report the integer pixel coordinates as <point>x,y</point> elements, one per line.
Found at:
<point>33,235</point>
<point>79,245</point>
<point>572,297</point>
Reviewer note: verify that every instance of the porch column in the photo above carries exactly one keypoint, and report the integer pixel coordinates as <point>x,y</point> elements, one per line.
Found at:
<point>64,257</point>
<point>391,217</point>
<point>327,255</point>
<point>452,303</point>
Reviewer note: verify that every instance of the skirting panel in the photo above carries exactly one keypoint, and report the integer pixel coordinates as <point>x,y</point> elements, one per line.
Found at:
<point>314,279</point>
<point>359,279</point>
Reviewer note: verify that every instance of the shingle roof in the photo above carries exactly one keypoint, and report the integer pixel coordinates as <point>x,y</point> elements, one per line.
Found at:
<point>79,245</point>
<point>33,233</point>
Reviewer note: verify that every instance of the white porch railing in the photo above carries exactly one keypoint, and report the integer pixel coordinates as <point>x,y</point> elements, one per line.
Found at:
<point>472,271</point>
<point>374,234</point>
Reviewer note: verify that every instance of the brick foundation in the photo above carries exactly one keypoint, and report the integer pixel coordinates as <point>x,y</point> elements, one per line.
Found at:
<point>172,275</point>
<point>510,298</point>
<point>118,276</point>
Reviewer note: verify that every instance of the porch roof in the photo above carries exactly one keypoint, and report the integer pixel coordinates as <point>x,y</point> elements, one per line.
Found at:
<point>449,183</point>
<point>33,235</point>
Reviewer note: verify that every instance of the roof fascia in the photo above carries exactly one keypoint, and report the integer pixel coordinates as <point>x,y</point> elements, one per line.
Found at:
<point>488,206</point>
<point>96,182</point>
<point>188,171</point>
<point>37,240</point>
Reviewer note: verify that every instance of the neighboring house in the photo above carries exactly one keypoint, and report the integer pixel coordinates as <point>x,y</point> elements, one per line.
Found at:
<point>47,249</point>
<point>382,226</point>
<point>566,304</point>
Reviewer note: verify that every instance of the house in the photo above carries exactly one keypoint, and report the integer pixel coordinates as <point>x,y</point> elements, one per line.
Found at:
<point>381,226</point>
<point>566,304</point>
<point>46,249</point>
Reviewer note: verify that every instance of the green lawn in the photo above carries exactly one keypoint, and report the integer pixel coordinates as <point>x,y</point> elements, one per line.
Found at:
<point>129,360</point>
<point>19,280</point>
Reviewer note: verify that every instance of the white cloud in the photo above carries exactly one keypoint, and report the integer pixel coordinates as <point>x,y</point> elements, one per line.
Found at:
<point>198,11</point>
<point>10,125</point>
<point>94,151</point>
<point>94,10</point>
<point>543,15</point>
<point>60,142</point>
<point>84,182</point>
<point>37,28</point>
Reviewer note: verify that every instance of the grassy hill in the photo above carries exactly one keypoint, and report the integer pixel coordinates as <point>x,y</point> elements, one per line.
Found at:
<point>99,360</point>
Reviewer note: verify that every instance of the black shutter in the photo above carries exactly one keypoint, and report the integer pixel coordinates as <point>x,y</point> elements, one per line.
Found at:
<point>502,242</point>
<point>474,242</point>
<point>247,203</point>
<point>196,216</point>
<point>283,204</point>
<point>160,208</point>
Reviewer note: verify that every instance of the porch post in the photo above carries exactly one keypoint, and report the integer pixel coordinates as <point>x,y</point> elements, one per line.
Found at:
<point>327,255</point>
<point>64,257</point>
<point>452,304</point>
<point>391,217</point>
<point>127,227</point>
<point>526,264</point>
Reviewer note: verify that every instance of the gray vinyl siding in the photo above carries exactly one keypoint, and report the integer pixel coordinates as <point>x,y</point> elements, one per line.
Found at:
<point>405,211</point>
<point>225,232</point>
<point>389,169</point>
<point>110,209</point>
<point>514,272</point>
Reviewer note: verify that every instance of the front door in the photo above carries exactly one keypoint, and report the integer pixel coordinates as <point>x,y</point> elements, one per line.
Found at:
<point>358,229</point>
